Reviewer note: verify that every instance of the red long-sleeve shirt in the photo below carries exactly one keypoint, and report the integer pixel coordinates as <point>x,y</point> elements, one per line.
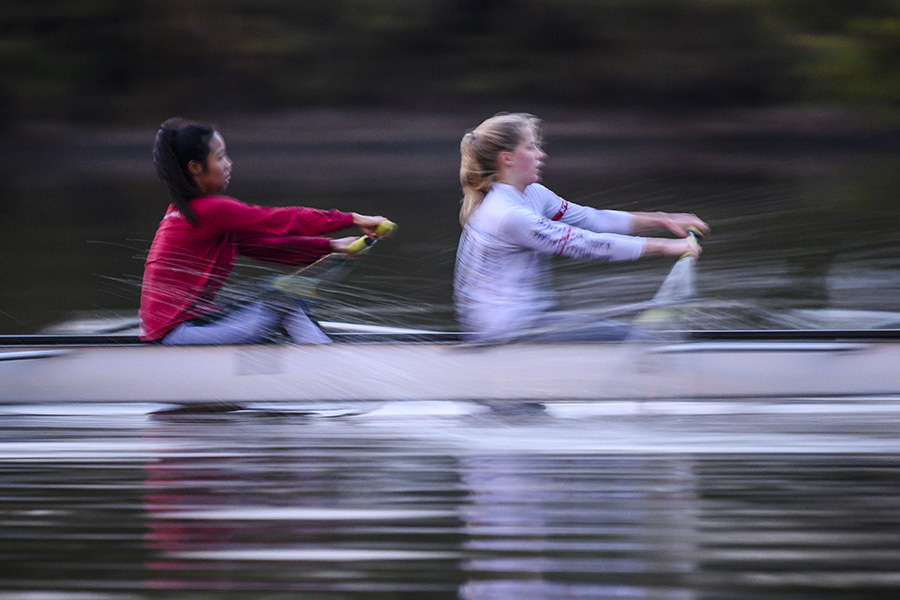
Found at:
<point>188,264</point>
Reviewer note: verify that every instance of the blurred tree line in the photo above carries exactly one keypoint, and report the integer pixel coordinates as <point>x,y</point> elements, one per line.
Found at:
<point>116,60</point>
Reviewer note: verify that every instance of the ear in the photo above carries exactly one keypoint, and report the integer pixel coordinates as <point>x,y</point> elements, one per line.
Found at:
<point>195,167</point>
<point>505,158</point>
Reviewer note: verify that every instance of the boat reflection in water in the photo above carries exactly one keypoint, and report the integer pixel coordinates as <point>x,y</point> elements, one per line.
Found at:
<point>455,500</point>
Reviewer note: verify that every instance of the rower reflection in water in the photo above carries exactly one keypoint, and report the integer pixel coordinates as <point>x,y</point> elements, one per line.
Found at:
<point>512,225</point>
<point>201,236</point>
<point>250,504</point>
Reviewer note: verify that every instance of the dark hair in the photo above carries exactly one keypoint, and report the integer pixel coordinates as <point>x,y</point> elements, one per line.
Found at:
<point>178,142</point>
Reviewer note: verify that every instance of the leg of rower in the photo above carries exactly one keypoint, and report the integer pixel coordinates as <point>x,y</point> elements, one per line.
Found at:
<point>303,330</point>
<point>556,327</point>
<point>598,331</point>
<point>249,324</point>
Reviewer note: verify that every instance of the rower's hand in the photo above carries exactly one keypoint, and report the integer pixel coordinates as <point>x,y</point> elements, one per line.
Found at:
<point>342,245</point>
<point>688,246</point>
<point>676,248</point>
<point>681,224</point>
<point>370,225</point>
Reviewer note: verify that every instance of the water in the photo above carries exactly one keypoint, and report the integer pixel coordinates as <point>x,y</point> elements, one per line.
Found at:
<point>745,499</point>
<point>802,204</point>
<point>769,499</point>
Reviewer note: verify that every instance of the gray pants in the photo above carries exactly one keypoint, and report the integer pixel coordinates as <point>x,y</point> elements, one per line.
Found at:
<point>560,328</point>
<point>249,324</point>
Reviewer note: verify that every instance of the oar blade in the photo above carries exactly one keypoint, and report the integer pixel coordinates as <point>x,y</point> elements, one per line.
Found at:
<point>677,289</point>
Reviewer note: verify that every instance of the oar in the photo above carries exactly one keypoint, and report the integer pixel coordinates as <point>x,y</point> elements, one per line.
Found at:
<point>304,282</point>
<point>677,288</point>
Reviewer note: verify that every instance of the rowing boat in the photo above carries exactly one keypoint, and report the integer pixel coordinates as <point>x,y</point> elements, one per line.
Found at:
<point>372,363</point>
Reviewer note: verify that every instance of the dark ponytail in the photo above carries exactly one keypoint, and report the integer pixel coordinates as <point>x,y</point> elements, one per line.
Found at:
<point>178,142</point>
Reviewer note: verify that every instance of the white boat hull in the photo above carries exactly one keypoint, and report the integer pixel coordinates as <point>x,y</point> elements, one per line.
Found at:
<point>447,371</point>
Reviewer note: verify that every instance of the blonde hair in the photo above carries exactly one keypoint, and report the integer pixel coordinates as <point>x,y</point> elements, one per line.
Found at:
<point>479,151</point>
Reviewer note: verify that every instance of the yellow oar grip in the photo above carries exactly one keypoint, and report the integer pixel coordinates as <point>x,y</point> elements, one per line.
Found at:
<point>694,236</point>
<point>383,228</point>
<point>359,245</point>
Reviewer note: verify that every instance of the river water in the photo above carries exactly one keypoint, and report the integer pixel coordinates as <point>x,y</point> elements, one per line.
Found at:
<point>746,499</point>
<point>802,203</point>
<point>765,499</point>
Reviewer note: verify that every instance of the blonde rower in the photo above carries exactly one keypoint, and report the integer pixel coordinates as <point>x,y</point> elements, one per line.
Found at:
<point>512,225</point>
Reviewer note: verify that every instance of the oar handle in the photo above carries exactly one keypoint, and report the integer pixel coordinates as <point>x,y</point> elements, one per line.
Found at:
<point>383,228</point>
<point>694,238</point>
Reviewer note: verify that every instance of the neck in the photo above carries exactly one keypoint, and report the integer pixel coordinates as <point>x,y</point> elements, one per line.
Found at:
<point>512,183</point>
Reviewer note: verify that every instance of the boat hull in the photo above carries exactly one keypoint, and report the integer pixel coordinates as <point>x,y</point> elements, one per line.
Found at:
<point>448,371</point>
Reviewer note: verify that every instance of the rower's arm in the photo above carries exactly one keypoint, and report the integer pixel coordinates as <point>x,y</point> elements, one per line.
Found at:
<point>526,229</point>
<point>678,223</point>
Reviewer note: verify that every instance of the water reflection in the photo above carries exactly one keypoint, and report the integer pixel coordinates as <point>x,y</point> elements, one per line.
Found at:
<point>765,499</point>
<point>284,506</point>
<point>580,527</point>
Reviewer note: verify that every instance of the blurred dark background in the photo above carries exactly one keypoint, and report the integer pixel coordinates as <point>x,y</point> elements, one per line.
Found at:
<point>731,108</point>
<point>122,60</point>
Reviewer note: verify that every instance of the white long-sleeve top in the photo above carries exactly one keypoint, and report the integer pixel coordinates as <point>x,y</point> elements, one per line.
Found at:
<point>501,279</point>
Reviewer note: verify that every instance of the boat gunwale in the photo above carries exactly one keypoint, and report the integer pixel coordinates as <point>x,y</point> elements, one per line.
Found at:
<point>12,341</point>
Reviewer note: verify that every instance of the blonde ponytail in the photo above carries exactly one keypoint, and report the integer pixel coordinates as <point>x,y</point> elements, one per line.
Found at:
<point>479,151</point>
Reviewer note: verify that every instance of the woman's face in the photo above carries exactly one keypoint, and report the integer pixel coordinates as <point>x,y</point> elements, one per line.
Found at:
<point>522,167</point>
<point>214,175</point>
